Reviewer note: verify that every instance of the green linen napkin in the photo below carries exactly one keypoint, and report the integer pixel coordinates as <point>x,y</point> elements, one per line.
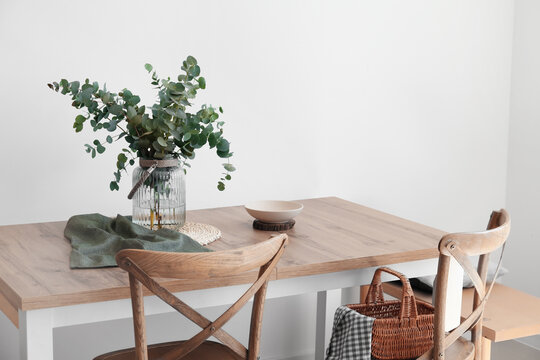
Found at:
<point>95,239</point>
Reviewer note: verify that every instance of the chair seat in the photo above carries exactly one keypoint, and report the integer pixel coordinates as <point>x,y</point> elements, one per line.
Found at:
<point>209,350</point>
<point>462,349</point>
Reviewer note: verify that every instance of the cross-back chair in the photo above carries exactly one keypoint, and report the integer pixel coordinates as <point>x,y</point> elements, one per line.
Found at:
<point>143,265</point>
<point>460,246</point>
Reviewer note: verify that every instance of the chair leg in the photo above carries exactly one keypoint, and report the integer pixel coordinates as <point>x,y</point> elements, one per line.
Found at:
<point>486,349</point>
<point>363,293</point>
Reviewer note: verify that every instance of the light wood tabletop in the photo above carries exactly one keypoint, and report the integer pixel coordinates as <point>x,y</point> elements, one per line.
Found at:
<point>330,235</point>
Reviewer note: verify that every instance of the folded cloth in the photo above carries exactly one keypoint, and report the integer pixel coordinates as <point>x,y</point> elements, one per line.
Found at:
<point>351,336</point>
<point>95,239</point>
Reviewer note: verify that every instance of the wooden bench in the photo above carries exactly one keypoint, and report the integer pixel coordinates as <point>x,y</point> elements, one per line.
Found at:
<point>509,313</point>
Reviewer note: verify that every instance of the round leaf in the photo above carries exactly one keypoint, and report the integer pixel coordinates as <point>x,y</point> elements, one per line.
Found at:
<point>162,141</point>
<point>114,186</point>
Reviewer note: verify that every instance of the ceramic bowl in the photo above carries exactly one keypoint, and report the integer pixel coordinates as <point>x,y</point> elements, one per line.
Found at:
<point>273,211</point>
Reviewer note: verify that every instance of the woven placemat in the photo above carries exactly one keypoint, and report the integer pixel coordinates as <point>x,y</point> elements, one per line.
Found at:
<point>204,234</point>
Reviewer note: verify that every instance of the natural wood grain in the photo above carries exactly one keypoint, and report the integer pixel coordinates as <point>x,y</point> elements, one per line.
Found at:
<point>265,257</point>
<point>509,313</point>
<point>9,310</point>
<point>209,350</point>
<point>200,265</point>
<point>461,246</point>
<point>330,235</point>
<point>485,354</point>
<point>139,322</point>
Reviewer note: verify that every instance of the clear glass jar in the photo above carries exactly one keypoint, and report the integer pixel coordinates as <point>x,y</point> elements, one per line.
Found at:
<point>161,199</point>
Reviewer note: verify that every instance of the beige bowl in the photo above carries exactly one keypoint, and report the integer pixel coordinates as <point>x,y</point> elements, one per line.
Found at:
<point>273,211</point>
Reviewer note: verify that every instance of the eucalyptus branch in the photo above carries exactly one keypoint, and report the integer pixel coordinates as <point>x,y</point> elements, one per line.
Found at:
<point>168,131</point>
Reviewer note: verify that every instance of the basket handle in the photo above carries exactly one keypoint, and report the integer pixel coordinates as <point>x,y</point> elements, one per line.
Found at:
<point>408,301</point>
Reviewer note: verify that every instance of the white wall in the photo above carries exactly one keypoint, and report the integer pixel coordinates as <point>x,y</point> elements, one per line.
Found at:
<point>402,106</point>
<point>523,191</point>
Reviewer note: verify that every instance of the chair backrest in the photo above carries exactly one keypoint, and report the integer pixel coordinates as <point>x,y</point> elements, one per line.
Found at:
<point>460,246</point>
<point>142,265</point>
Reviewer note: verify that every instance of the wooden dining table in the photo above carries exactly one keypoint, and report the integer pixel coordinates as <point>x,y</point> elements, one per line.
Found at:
<point>334,245</point>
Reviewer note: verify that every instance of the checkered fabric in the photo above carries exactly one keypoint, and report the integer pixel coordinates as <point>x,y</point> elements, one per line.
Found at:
<point>351,336</point>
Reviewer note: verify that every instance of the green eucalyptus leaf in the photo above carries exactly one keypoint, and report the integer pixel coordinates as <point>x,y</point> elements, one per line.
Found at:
<point>100,149</point>
<point>171,125</point>
<point>131,112</point>
<point>170,111</point>
<point>202,82</point>
<point>176,134</point>
<point>106,98</point>
<point>134,100</point>
<point>114,186</point>
<point>122,157</point>
<point>156,146</point>
<point>85,96</point>
<point>126,94</point>
<point>148,67</point>
<point>75,87</point>
<point>115,109</point>
<point>111,125</point>
<point>221,186</point>
<point>162,141</point>
<point>194,71</point>
<point>229,167</point>
<point>93,107</point>
<point>223,154</point>
<point>212,140</point>
<point>223,145</point>
<point>109,139</point>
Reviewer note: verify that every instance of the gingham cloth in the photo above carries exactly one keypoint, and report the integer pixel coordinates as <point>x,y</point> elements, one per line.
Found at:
<point>351,336</point>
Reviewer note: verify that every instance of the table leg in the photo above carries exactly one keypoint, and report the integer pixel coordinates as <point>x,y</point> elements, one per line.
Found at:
<point>363,293</point>
<point>486,349</point>
<point>327,303</point>
<point>36,334</point>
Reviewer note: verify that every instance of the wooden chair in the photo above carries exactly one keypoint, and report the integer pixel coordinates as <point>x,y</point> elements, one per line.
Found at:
<point>451,346</point>
<point>142,265</point>
<point>509,313</point>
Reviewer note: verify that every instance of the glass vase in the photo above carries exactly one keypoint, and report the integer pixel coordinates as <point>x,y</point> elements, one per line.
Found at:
<point>160,201</point>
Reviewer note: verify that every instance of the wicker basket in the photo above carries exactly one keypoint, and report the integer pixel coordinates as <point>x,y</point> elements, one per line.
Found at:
<point>402,329</point>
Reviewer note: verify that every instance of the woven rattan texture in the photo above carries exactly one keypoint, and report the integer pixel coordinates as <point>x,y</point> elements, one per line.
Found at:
<point>397,333</point>
<point>204,234</point>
